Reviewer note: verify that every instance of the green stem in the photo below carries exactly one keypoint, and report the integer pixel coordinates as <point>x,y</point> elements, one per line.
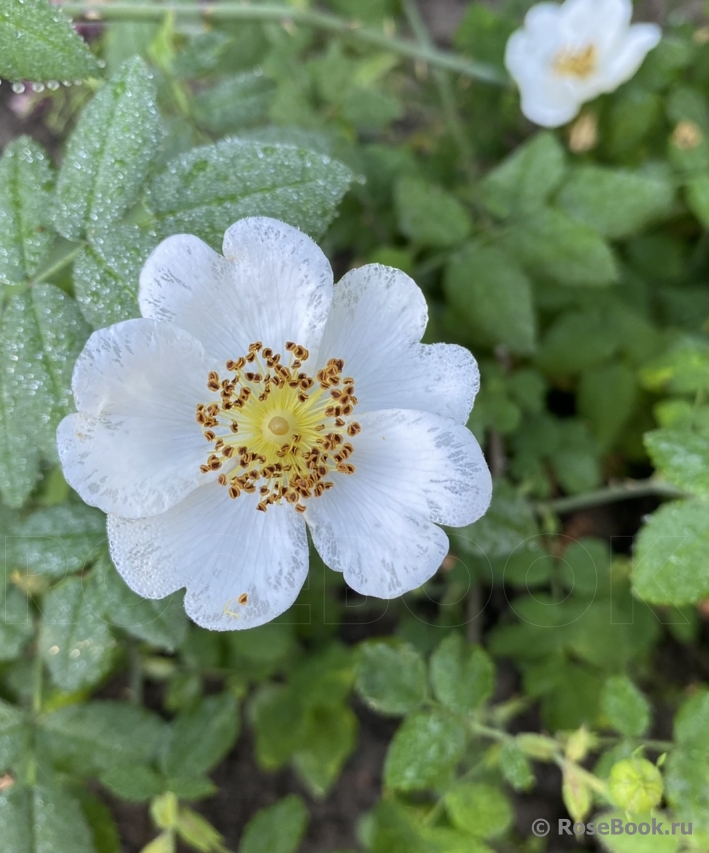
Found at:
<point>654,745</point>
<point>611,494</point>
<point>233,11</point>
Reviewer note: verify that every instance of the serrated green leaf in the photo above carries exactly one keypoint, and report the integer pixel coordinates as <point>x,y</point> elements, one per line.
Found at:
<point>328,740</point>
<point>682,370</point>
<point>577,340</point>
<point>462,676</point>
<point>234,103</point>
<point>606,398</point>
<point>428,215</point>
<point>507,525</point>
<point>41,335</point>
<point>625,707</point>
<point>16,627</point>
<point>43,819</point>
<point>493,295</point>
<point>106,273</point>
<point>95,737</point>
<point>37,43</point>
<point>56,541</point>
<point>425,748</point>
<point>201,737</point>
<point>515,766</point>
<point>527,178</point>
<point>26,178</point>
<point>206,190</point>
<point>617,202</point>
<point>553,246</point>
<point>162,622</point>
<point>74,641</point>
<point>390,676</point>
<point>109,153</point>
<point>280,721</point>
<point>670,566</point>
<point>481,810</point>
<point>15,734</point>
<point>134,782</point>
<point>280,828</point>
<point>688,764</point>
<point>682,455</point>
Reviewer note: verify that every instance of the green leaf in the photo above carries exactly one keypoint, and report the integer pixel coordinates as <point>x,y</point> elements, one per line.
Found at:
<point>424,749</point>
<point>515,767</point>
<point>682,370</point>
<point>201,737</point>
<point>508,523</point>
<point>43,819</point>
<point>617,202</point>
<point>100,820</point>
<point>106,273</point>
<point>26,178</point>
<point>162,622</point>
<point>16,628</point>
<point>462,676</point>
<point>234,103</point>
<point>682,455</point>
<point>390,676</point>
<point>428,215</point>
<point>481,810</point>
<point>42,333</point>
<point>697,194</point>
<point>606,398</point>
<point>15,734</point>
<point>623,842</point>
<point>95,737</point>
<point>576,341</point>
<point>493,295</point>
<point>555,247</point>
<point>206,190</point>
<point>687,767</point>
<point>280,722</point>
<point>280,828</point>
<point>56,541</point>
<point>38,43</point>
<point>74,641</point>
<point>109,153</point>
<point>670,555</point>
<point>133,782</point>
<point>328,740</point>
<point>526,179</point>
<point>625,707</point>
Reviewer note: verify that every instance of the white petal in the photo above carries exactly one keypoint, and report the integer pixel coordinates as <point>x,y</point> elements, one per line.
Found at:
<point>274,285</point>
<point>135,448</point>
<point>412,470</point>
<point>543,22</point>
<point>610,24</point>
<point>377,319</point>
<point>640,40</point>
<point>546,99</point>
<point>219,549</point>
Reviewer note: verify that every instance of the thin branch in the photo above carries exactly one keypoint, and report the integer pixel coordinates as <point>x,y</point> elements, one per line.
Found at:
<point>232,11</point>
<point>611,494</point>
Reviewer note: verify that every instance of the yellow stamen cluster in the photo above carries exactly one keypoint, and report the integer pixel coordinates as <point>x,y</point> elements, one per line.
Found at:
<point>277,430</point>
<point>575,63</point>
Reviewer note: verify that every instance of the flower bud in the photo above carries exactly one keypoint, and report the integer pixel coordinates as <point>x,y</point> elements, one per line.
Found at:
<point>635,785</point>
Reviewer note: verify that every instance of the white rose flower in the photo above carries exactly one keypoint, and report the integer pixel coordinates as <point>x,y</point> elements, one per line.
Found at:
<point>253,398</point>
<point>570,53</point>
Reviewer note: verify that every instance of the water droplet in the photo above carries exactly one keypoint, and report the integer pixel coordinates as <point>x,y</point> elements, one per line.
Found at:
<point>101,63</point>
<point>18,88</point>
<point>38,87</point>
<point>53,85</point>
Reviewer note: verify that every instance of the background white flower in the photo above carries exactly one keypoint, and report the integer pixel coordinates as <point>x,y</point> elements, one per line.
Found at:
<point>570,53</point>
<point>252,384</point>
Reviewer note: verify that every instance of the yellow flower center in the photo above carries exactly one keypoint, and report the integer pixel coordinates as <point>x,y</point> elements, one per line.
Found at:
<point>277,430</point>
<point>575,63</point>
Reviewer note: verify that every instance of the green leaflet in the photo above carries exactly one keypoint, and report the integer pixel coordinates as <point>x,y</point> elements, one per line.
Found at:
<point>37,42</point>
<point>277,829</point>
<point>74,640</point>
<point>109,153</point>
<point>206,190</point>
<point>43,819</point>
<point>26,178</point>
<point>41,336</point>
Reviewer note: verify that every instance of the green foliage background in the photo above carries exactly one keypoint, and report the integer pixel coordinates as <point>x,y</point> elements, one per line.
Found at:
<point>573,263</point>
